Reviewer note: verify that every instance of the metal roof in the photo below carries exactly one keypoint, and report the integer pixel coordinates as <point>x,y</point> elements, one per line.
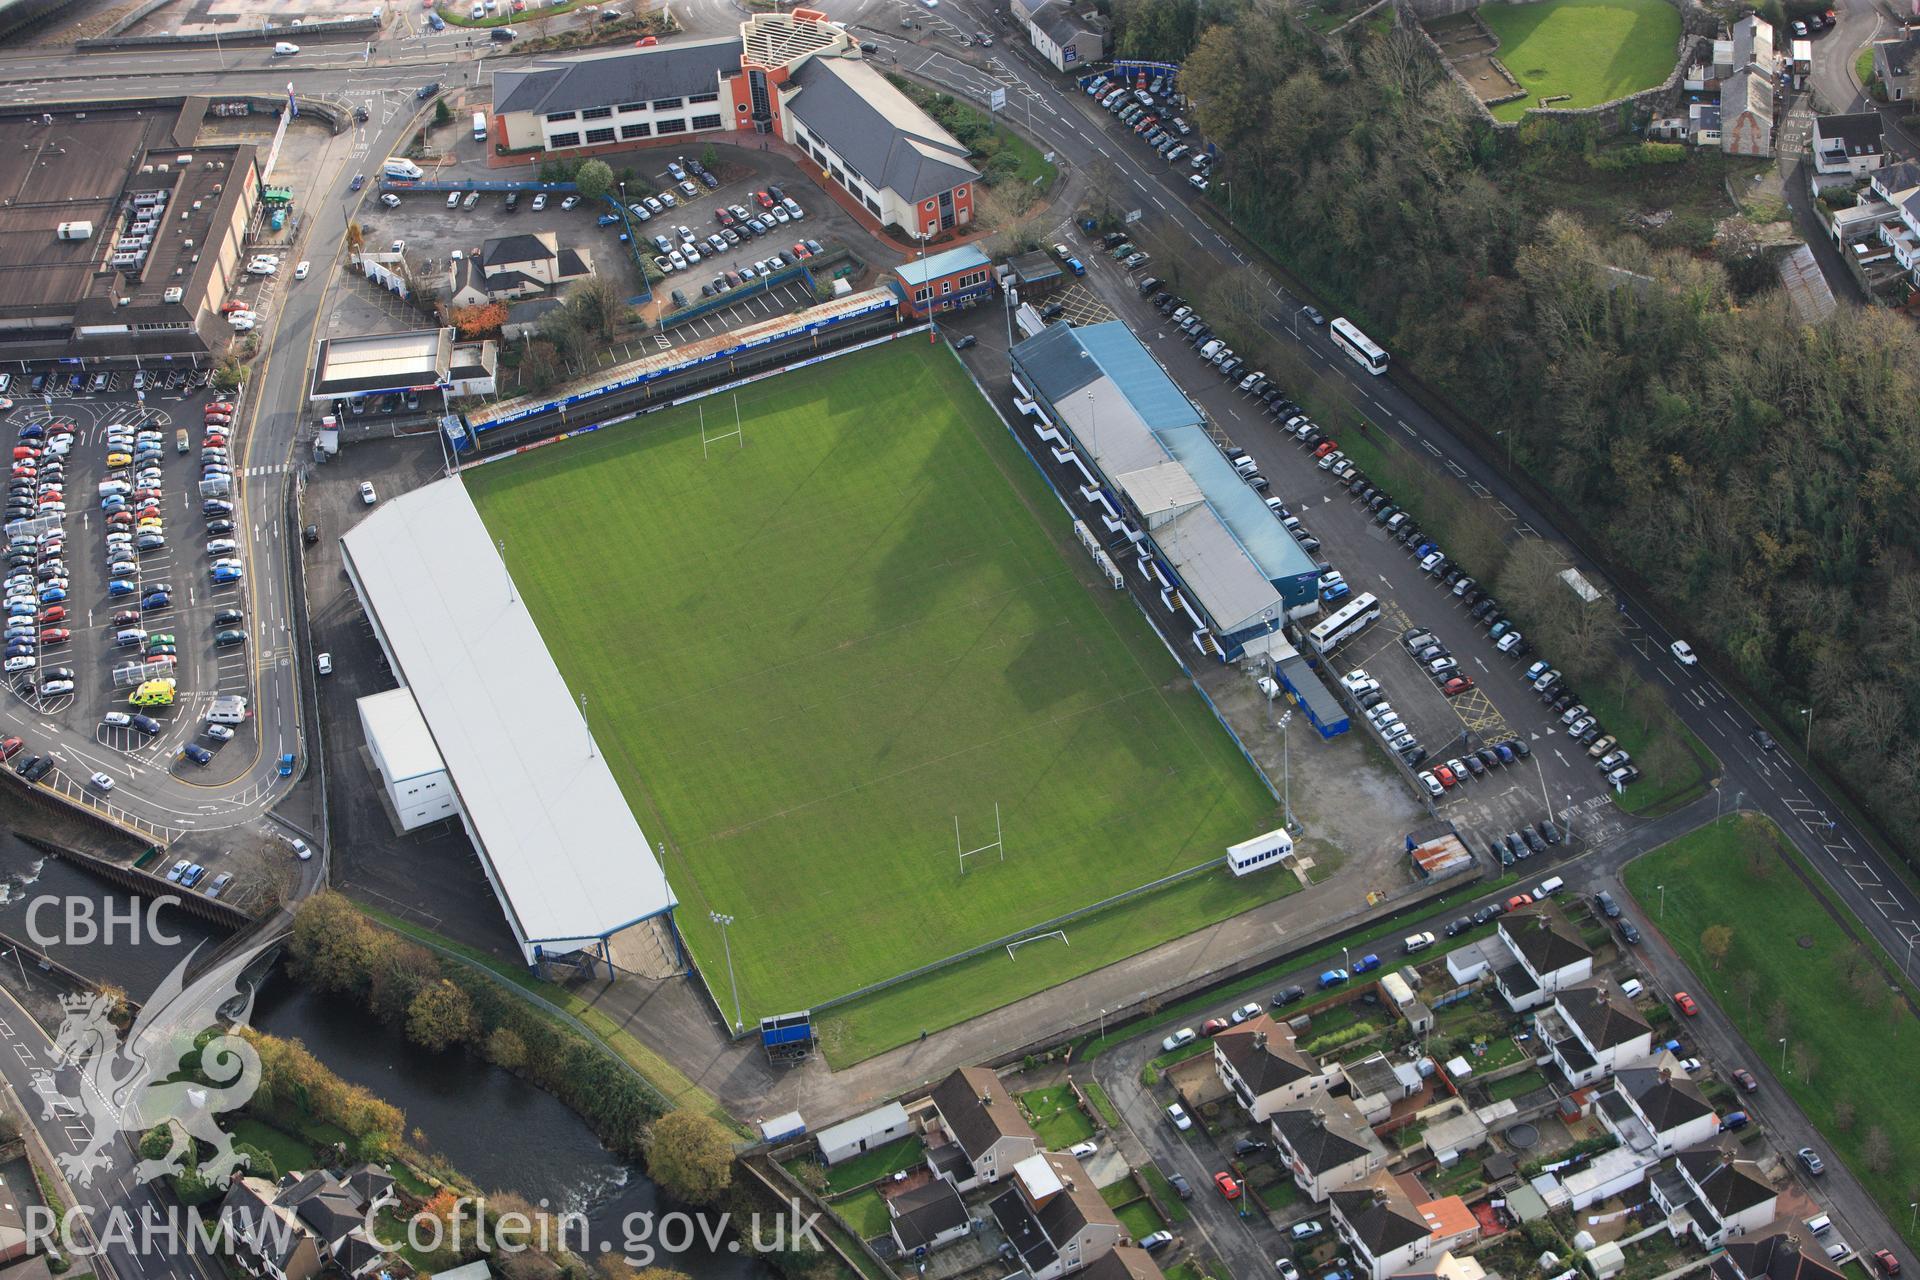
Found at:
<point>382,362</point>
<point>553,830</point>
<point>876,129</point>
<point>672,70</point>
<point>966,258</point>
<point>392,720</point>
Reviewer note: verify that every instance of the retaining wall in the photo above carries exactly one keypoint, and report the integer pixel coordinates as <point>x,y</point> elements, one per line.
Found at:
<point>148,885</point>
<point>369,27</point>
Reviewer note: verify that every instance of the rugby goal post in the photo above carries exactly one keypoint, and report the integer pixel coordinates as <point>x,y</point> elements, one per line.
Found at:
<point>1051,933</point>
<point>996,845</point>
<point>708,441</point>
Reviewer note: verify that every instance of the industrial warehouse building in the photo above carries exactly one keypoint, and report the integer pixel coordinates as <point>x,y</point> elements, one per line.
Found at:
<point>1228,566</point>
<point>418,360</point>
<point>561,848</point>
<point>794,75</point>
<point>119,238</point>
<point>412,774</point>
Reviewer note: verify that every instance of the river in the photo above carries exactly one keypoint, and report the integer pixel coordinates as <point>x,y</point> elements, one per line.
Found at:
<point>499,1131</point>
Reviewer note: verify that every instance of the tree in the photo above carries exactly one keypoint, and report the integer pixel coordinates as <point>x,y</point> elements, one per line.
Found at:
<point>541,368</point>
<point>1777,1020</point>
<point>1806,1060</point>
<point>505,1049</point>
<point>483,320</point>
<point>1877,1150</point>
<point>333,947</point>
<point>441,1016</point>
<point>594,179</point>
<point>442,113</point>
<point>690,1155</point>
<point>356,237</point>
<point>1745,983</point>
<point>710,157</point>
<point>1715,941</point>
<point>1843,1115</point>
<point>596,306</point>
<point>265,878</point>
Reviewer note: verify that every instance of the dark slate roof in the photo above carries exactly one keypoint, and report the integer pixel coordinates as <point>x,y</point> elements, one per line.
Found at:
<point>468,275</point>
<point>1381,1222</point>
<point>1727,1186</point>
<point>1858,131</point>
<point>876,130</point>
<point>926,1212</point>
<point>369,1181</point>
<point>1057,19</point>
<point>1605,1015</point>
<point>570,264</point>
<point>324,1203</point>
<point>1575,1055</point>
<point>1667,1101</point>
<point>1543,940</point>
<point>532,309</point>
<point>1895,178</point>
<point>1747,91</point>
<point>1314,1143</point>
<point>672,70</point>
<point>979,1110</point>
<point>1900,50</point>
<point>1022,1230</point>
<point>1263,1054</point>
<point>1778,1257</point>
<point>506,251</point>
<point>1054,363</point>
<point>248,1214</point>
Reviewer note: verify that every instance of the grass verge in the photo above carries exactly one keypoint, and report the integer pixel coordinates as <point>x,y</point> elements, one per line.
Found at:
<point>1591,51</point>
<point>456,15</point>
<point>868,1166</point>
<point>865,1213</point>
<point>1163,1192</point>
<point>1097,1095</point>
<point>1057,1117</point>
<point>1811,983</point>
<point>665,1078</point>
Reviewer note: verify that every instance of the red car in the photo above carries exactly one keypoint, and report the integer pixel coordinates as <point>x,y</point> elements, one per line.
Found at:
<point>1882,1258</point>
<point>800,250</point>
<point>60,428</point>
<point>56,613</point>
<point>10,748</point>
<point>1519,900</point>
<point>1686,1004</point>
<point>126,617</point>
<point>232,305</point>
<point>214,440</point>
<point>766,201</point>
<point>55,635</point>
<point>1446,776</point>
<point>22,453</point>
<point>120,518</point>
<point>1457,686</point>
<point>1214,1026</point>
<point>220,406</point>
<point>1744,1078</point>
<point>1228,1187</point>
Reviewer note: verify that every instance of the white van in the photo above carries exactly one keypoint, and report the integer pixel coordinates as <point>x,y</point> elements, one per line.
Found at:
<point>1548,887</point>
<point>228,709</point>
<point>1212,348</point>
<point>1820,1224</point>
<point>401,167</point>
<point>285,50</point>
<point>1632,988</point>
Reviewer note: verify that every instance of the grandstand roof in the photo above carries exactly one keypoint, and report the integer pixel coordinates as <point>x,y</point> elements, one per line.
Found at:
<point>562,848</point>
<point>1127,413</point>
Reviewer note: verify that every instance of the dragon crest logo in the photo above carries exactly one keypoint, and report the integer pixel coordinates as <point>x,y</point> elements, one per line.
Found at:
<point>138,1081</point>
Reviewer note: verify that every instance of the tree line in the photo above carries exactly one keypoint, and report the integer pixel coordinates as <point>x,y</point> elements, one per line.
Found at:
<point>1755,471</point>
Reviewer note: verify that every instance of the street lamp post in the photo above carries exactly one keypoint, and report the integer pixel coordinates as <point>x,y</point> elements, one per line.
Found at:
<point>1286,769</point>
<point>1783,1055</point>
<point>727,941</point>
<point>1509,438</point>
<point>1103,1024</point>
<point>1663,900</point>
<point>1808,713</point>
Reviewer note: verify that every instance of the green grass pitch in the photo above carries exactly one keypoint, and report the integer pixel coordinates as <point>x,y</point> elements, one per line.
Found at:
<point>805,656</point>
<point>1593,50</point>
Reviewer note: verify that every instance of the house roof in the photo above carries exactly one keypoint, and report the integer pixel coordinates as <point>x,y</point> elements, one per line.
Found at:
<point>876,129</point>
<point>1322,1137</point>
<point>1545,941</point>
<point>1859,132</point>
<point>1022,1230</point>
<point>324,1203</point>
<point>674,69</point>
<point>369,1181</point>
<point>870,1124</point>
<point>530,310</point>
<point>1077,1206</point>
<point>1057,19</point>
<point>1753,42</point>
<point>467,274</point>
<point>922,1215</point>
<point>1666,1100</point>
<point>1031,268</point>
<point>1381,1217</point>
<point>1727,1184</point>
<point>1898,52</point>
<point>1448,1217</point>
<point>511,251</point>
<point>1603,1013</point>
<point>1122,1263</point>
<point>1747,91</point>
<point>979,1110</point>
<point>1777,1257</point>
<point>1263,1054</point>
<point>249,1213</point>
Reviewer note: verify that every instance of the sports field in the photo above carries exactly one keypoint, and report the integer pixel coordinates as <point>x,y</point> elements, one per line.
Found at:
<point>804,657</point>
<point>1591,50</point>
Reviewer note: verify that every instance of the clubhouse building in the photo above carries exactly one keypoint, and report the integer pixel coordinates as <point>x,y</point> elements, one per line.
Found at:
<point>794,75</point>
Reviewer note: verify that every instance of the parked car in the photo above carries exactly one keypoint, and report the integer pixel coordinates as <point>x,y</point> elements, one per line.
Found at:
<point>1177,1114</point>
<point>1184,1036</point>
<point>1686,1004</point>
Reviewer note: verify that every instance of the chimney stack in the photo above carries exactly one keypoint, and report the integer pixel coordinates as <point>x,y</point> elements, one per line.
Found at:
<point>1260,1040</point>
